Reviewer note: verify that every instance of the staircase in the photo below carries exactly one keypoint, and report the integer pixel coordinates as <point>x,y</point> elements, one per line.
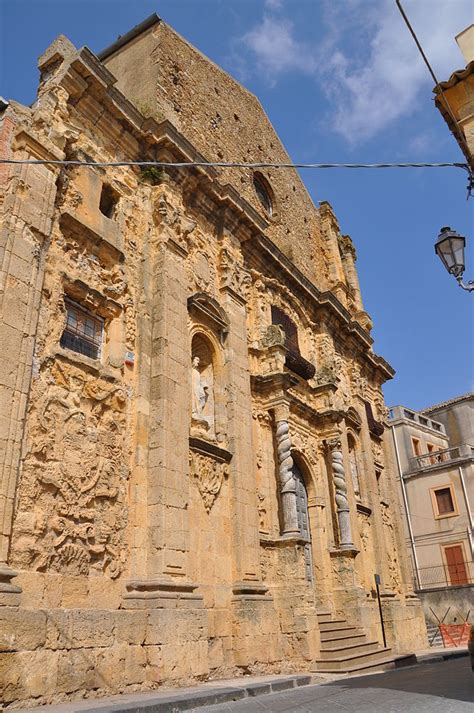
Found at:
<point>346,649</point>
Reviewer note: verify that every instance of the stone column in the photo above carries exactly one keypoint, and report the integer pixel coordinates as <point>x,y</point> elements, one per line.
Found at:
<point>287,480</point>
<point>342,503</point>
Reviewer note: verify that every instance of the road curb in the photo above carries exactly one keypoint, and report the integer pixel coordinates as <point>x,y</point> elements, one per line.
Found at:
<point>182,701</point>
<point>441,656</point>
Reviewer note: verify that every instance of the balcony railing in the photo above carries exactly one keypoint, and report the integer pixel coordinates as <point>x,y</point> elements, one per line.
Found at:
<point>445,575</point>
<point>428,460</point>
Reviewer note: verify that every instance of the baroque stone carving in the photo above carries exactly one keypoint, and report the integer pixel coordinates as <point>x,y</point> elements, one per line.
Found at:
<point>176,226</point>
<point>391,547</point>
<point>233,275</point>
<point>340,487</point>
<point>274,336</point>
<point>71,514</point>
<point>377,453</point>
<point>287,479</point>
<point>209,474</point>
<point>364,530</point>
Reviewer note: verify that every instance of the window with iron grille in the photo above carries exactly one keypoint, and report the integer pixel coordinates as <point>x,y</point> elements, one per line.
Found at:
<point>83,331</point>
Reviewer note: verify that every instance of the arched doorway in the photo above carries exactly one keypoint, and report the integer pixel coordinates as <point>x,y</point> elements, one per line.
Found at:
<point>303,519</point>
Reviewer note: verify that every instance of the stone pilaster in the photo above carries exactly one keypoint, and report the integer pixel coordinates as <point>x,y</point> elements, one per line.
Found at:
<point>24,242</point>
<point>161,547</point>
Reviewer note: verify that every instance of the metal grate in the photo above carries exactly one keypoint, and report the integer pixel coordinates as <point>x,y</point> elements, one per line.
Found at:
<point>83,331</point>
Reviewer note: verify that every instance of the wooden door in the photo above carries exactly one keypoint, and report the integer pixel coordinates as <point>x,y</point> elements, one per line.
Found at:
<point>303,520</point>
<point>456,565</point>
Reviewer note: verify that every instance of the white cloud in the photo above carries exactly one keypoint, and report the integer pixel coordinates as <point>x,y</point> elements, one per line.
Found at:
<point>276,49</point>
<point>367,63</point>
<point>274,4</point>
<point>376,89</point>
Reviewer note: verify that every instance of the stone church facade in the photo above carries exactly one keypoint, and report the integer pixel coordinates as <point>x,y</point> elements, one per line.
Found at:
<point>196,475</point>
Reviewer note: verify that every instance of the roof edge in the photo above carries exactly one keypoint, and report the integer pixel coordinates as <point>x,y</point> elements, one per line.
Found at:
<point>128,36</point>
<point>444,404</point>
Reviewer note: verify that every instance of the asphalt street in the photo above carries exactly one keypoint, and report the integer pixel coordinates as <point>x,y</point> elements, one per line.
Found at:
<point>442,687</point>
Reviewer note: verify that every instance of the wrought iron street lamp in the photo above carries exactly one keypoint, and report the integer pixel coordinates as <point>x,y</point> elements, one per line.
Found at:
<point>450,249</point>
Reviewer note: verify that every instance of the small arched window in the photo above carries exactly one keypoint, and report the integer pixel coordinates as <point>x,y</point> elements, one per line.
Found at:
<point>264,193</point>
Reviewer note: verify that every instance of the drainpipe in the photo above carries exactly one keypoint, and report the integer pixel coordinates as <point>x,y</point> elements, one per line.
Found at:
<point>407,511</point>
<point>469,512</point>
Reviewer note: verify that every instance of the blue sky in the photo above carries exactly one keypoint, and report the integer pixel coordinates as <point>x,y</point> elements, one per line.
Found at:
<point>342,82</point>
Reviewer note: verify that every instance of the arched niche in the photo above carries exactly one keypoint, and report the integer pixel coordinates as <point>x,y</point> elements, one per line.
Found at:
<point>205,309</point>
<point>208,414</point>
<point>304,486</point>
<point>354,462</point>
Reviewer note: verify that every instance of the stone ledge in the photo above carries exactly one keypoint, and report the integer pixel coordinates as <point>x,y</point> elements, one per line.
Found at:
<point>207,695</point>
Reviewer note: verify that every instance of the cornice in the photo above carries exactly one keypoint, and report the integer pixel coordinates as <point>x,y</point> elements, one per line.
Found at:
<point>159,136</point>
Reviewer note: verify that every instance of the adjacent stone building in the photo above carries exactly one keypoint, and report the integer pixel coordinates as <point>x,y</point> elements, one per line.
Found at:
<point>454,98</point>
<point>435,453</point>
<point>196,479</point>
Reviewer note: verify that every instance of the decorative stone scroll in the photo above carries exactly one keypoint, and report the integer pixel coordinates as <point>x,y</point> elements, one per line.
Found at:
<point>340,487</point>
<point>287,479</point>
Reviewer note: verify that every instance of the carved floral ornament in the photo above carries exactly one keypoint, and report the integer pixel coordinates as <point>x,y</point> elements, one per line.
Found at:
<point>71,513</point>
<point>209,475</point>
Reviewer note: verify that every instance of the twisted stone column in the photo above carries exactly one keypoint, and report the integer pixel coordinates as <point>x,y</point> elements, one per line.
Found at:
<point>342,503</point>
<point>287,480</point>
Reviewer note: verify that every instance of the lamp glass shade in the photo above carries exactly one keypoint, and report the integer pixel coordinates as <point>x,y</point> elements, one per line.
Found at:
<point>450,250</point>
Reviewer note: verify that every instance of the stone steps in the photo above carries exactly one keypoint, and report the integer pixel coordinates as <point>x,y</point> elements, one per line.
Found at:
<point>381,665</point>
<point>350,661</point>
<point>346,649</point>
<point>364,647</point>
<point>348,639</point>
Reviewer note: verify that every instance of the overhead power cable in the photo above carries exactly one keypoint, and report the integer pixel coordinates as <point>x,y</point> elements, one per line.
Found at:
<point>457,130</point>
<point>228,164</point>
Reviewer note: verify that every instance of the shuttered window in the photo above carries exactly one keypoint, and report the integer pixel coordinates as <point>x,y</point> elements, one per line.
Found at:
<point>444,501</point>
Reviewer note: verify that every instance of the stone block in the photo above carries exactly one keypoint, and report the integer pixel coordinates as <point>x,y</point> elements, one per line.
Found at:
<point>21,629</point>
<point>92,628</point>
<point>39,673</point>
<point>110,666</point>
<point>74,592</point>
<point>135,668</point>
<point>10,677</point>
<point>130,626</point>
<point>76,670</point>
<point>58,629</point>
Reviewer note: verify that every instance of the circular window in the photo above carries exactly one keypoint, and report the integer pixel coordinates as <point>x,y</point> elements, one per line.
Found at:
<point>264,193</point>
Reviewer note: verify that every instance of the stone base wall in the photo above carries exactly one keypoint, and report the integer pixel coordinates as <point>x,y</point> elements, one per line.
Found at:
<point>49,655</point>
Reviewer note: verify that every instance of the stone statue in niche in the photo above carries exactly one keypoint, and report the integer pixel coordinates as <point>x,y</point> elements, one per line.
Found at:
<point>200,396</point>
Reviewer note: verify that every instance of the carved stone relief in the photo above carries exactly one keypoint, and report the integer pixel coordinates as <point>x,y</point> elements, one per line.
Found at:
<point>391,547</point>
<point>208,474</point>
<point>71,514</point>
<point>364,530</point>
<point>233,275</point>
<point>175,225</point>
